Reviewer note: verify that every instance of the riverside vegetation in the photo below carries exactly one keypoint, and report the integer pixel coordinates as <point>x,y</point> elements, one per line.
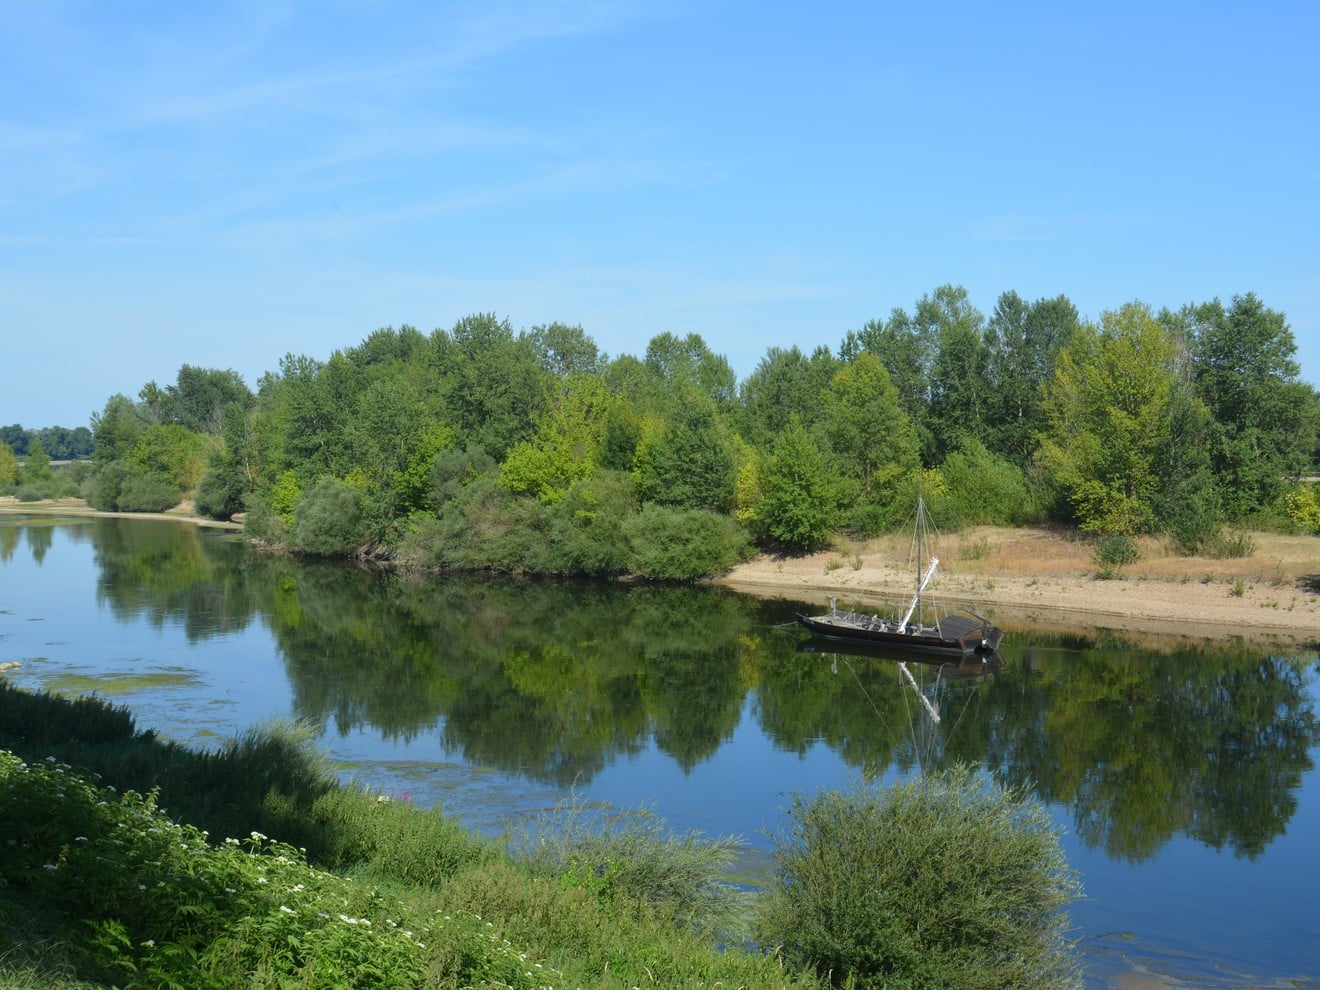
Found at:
<point>131,861</point>
<point>482,448</point>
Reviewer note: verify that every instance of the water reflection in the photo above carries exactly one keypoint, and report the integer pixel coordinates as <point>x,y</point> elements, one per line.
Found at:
<point>1141,740</point>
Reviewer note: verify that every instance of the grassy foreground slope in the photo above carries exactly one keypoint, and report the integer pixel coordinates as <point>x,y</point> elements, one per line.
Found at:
<point>130,861</point>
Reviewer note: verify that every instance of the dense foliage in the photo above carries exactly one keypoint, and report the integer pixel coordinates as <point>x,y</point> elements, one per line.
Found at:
<point>60,443</point>
<point>106,884</point>
<point>532,451</point>
<point>924,884</point>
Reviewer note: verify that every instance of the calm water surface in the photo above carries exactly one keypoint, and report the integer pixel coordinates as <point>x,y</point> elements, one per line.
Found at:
<point>1183,772</point>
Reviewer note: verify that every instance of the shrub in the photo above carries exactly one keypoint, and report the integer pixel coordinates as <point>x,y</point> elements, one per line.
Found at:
<point>147,493</point>
<point>586,529</point>
<point>635,857</point>
<point>1230,545</point>
<point>980,488</point>
<point>1303,504</point>
<point>262,522</point>
<point>942,881</point>
<point>165,908</point>
<point>672,544</point>
<point>219,494</point>
<point>1113,552</point>
<point>329,519</point>
<point>124,487</point>
<point>394,841</point>
<point>1191,514</point>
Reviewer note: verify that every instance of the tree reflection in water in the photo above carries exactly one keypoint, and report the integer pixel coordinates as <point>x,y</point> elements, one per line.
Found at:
<point>1142,740</point>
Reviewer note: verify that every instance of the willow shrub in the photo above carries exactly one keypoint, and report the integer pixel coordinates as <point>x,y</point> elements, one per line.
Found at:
<point>673,544</point>
<point>942,881</point>
<point>124,487</point>
<point>329,519</point>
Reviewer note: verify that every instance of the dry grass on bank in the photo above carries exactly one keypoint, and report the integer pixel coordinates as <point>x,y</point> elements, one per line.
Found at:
<point>1043,571</point>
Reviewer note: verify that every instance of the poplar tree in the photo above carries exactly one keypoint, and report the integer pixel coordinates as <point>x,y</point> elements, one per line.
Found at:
<point>1109,413</point>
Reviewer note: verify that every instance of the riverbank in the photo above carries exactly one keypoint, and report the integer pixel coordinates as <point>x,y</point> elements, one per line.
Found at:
<point>1046,576</point>
<point>1037,575</point>
<point>183,512</point>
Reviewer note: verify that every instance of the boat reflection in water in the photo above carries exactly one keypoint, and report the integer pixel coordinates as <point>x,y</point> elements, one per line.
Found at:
<point>955,667</point>
<point>930,680</point>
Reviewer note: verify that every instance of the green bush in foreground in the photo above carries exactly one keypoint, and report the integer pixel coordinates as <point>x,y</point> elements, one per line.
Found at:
<point>168,909</point>
<point>635,856</point>
<point>943,881</point>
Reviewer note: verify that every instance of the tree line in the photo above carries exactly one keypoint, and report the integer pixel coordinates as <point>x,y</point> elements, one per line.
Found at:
<point>534,451</point>
<point>57,442</point>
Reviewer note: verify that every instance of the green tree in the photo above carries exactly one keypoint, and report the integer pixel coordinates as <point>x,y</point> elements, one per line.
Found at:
<point>172,453</point>
<point>414,483</point>
<point>8,467</point>
<point>961,396</point>
<point>907,354</point>
<point>199,396</point>
<point>1265,425</point>
<point>786,383</point>
<point>36,468</point>
<point>870,434</point>
<point>1189,507</point>
<point>567,445</point>
<point>910,348</point>
<point>1109,415</point>
<point>565,350</point>
<point>686,459</point>
<point>15,438</point>
<point>496,387</point>
<point>1023,342</point>
<point>115,430</point>
<point>390,347</point>
<point>676,362</point>
<point>799,509</point>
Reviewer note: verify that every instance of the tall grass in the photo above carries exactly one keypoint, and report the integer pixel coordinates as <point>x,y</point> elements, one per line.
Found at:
<point>634,856</point>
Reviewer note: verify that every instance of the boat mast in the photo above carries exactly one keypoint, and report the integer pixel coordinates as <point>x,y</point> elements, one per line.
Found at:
<point>915,605</point>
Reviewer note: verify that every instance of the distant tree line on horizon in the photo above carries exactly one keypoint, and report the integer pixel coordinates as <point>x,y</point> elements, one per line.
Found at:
<point>59,443</point>
<point>534,451</point>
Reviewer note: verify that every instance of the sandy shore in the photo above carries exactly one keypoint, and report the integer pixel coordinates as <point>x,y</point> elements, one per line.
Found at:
<point>183,512</point>
<point>1042,576</point>
<point>1020,576</point>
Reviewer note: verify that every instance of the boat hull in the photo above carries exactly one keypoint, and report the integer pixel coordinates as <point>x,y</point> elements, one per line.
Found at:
<point>957,636</point>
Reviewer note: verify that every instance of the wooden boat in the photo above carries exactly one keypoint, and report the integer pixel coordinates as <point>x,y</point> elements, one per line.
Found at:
<point>947,634</point>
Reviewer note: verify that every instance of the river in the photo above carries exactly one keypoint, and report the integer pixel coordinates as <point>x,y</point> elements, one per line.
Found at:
<point>1181,770</point>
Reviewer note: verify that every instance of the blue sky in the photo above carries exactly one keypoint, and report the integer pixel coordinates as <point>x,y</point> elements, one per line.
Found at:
<point>220,184</point>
